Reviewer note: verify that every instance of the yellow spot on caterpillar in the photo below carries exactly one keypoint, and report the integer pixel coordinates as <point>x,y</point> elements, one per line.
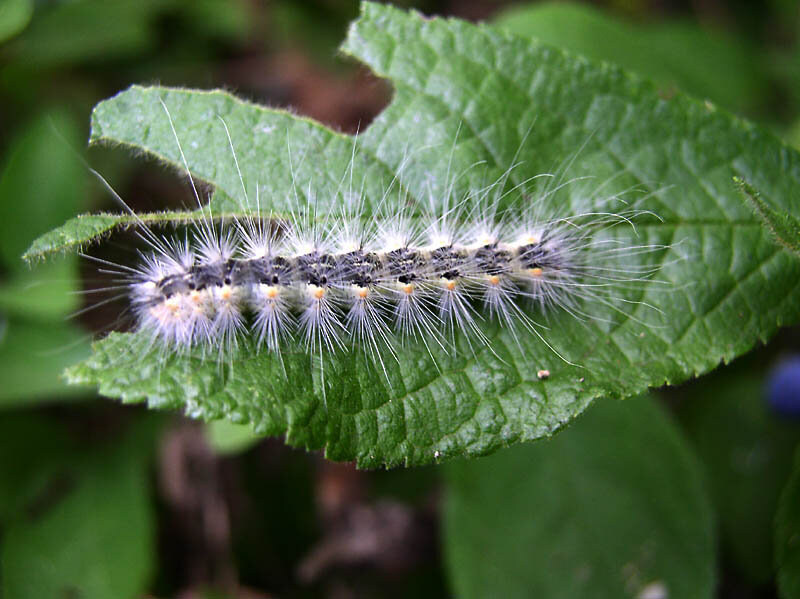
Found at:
<point>319,292</point>
<point>408,288</point>
<point>172,304</point>
<point>272,292</point>
<point>494,280</point>
<point>450,285</point>
<point>362,292</point>
<point>532,239</point>
<point>226,293</point>
<point>195,297</point>
<point>535,272</point>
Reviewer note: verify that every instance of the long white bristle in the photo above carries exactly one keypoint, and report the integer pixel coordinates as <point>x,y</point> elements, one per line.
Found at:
<point>370,276</point>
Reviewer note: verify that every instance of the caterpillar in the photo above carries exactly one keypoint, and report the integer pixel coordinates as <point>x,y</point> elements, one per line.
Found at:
<point>371,281</point>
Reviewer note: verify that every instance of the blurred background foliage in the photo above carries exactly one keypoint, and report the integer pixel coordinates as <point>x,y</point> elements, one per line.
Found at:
<point>99,500</point>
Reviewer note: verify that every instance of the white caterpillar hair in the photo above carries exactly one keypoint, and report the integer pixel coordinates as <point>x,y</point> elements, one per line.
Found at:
<point>378,273</point>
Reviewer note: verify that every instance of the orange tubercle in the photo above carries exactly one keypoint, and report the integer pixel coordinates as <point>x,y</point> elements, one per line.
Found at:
<point>494,280</point>
<point>535,272</point>
<point>319,292</point>
<point>272,292</point>
<point>408,288</point>
<point>172,304</point>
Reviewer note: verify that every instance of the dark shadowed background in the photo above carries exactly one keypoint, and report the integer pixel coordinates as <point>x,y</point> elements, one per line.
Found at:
<point>99,500</point>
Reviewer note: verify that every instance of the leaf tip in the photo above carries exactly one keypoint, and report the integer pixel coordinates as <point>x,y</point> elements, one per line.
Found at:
<point>785,228</point>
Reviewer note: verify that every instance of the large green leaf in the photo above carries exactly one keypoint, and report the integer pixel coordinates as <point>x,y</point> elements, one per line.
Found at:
<point>464,95</point>
<point>612,507</point>
<point>682,54</point>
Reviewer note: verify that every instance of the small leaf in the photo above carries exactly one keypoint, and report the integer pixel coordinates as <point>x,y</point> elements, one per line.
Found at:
<point>787,535</point>
<point>612,507</point>
<point>784,227</point>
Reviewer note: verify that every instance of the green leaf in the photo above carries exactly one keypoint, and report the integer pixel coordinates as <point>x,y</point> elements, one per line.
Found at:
<point>702,62</point>
<point>316,28</point>
<point>792,134</point>
<point>33,355</point>
<point>48,291</point>
<point>746,451</point>
<point>80,30</point>
<point>787,535</point>
<point>78,232</point>
<point>94,538</point>
<point>32,449</point>
<point>42,183</point>
<point>784,227</point>
<point>612,507</point>
<point>220,19</point>
<point>229,438</point>
<point>467,95</point>
<point>14,16</point>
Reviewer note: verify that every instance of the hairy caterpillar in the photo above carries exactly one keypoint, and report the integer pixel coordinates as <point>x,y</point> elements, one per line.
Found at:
<point>378,273</point>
